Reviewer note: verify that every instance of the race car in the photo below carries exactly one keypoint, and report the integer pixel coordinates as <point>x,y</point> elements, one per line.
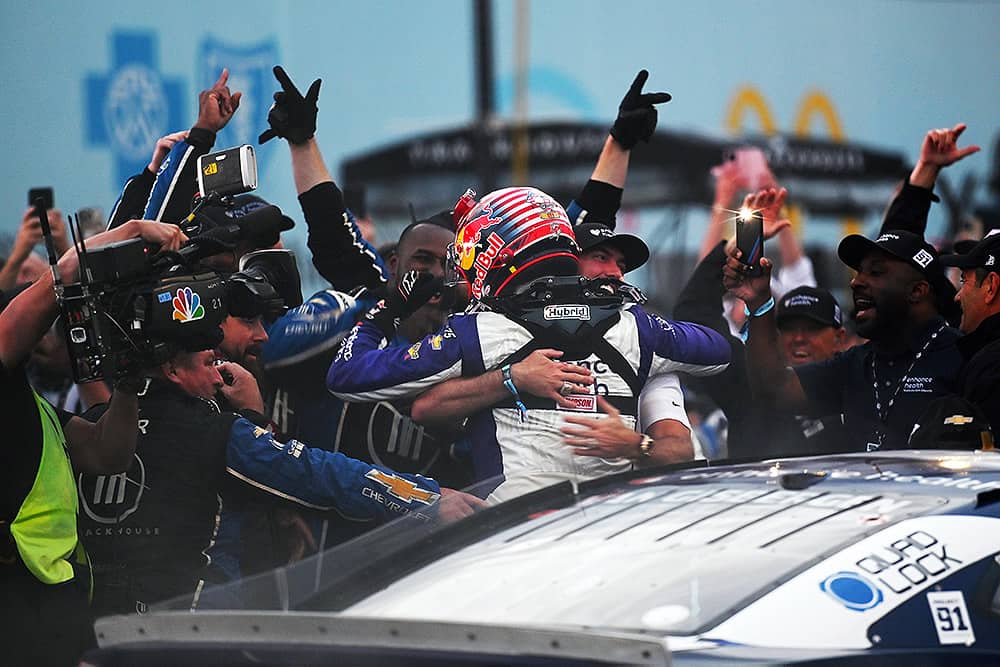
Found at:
<point>878,558</point>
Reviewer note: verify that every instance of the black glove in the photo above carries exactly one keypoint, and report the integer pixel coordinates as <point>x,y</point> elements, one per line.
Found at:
<point>636,114</point>
<point>415,288</point>
<point>292,116</point>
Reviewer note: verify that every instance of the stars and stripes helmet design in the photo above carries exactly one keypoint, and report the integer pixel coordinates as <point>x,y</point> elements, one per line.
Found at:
<point>509,237</point>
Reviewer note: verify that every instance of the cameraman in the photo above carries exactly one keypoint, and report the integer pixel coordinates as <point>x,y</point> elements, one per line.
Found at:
<point>43,565</point>
<point>174,523</point>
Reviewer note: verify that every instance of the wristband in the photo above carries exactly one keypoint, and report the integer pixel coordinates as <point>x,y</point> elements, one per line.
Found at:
<point>745,329</point>
<point>508,381</point>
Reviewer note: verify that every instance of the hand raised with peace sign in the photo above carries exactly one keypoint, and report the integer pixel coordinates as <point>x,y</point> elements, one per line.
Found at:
<point>292,116</point>
<point>636,114</point>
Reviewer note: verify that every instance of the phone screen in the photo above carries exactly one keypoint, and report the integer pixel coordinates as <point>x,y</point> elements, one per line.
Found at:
<point>750,240</point>
<point>45,193</point>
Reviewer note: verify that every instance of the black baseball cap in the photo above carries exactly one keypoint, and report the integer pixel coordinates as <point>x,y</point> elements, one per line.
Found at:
<point>912,249</point>
<point>951,422</point>
<point>984,254</point>
<point>241,205</point>
<point>592,234</point>
<point>813,303</point>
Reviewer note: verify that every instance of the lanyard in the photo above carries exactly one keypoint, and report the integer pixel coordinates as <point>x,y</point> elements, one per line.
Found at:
<point>883,415</point>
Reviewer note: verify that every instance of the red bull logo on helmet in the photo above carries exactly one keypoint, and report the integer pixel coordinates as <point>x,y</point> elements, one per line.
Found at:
<point>484,262</point>
<point>521,219</point>
<point>466,241</point>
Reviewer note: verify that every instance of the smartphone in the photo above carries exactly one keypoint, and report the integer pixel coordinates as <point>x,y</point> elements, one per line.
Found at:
<point>752,163</point>
<point>45,193</point>
<point>750,239</point>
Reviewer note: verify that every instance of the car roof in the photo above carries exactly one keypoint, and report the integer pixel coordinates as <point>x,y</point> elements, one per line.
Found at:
<point>698,554</point>
<point>660,551</point>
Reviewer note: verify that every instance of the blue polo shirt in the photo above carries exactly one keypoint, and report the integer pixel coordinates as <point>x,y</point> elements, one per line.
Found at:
<point>845,384</point>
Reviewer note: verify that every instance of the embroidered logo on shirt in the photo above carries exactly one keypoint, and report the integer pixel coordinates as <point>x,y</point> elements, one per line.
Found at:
<point>401,488</point>
<point>958,420</point>
<point>581,403</point>
<point>918,385</point>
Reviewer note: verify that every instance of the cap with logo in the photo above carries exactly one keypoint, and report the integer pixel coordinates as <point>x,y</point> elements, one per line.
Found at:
<point>912,249</point>
<point>592,234</point>
<point>984,254</point>
<point>951,422</point>
<point>241,206</point>
<point>813,303</point>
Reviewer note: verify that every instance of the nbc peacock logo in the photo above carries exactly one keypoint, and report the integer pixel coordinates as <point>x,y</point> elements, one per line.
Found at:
<point>187,306</point>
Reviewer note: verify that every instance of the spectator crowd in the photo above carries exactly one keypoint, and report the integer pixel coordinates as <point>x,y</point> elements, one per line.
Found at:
<point>490,350</point>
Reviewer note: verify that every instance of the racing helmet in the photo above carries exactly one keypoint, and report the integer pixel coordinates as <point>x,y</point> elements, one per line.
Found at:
<point>507,239</point>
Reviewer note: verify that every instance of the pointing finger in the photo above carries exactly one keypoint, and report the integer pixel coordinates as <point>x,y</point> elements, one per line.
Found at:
<point>968,150</point>
<point>640,80</point>
<point>285,81</point>
<point>313,94</point>
<point>222,78</point>
<point>655,98</point>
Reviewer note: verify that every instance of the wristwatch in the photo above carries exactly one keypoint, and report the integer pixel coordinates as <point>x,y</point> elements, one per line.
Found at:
<point>646,446</point>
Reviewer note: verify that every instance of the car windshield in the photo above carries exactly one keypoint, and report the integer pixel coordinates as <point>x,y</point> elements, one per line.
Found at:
<point>674,552</point>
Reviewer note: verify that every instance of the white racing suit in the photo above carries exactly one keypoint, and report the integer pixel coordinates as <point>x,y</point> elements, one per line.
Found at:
<point>528,453</point>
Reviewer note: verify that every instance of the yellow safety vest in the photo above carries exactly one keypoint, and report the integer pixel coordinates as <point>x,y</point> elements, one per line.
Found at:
<point>45,526</point>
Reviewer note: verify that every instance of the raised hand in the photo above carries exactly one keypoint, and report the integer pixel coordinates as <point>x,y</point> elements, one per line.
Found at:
<point>940,147</point>
<point>769,202</point>
<point>636,114</point>
<point>736,278</point>
<point>162,148</point>
<point>217,105</point>
<point>729,181</point>
<point>29,234</point>
<point>292,116</point>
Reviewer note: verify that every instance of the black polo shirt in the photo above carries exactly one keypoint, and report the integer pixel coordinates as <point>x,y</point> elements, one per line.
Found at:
<point>845,384</point>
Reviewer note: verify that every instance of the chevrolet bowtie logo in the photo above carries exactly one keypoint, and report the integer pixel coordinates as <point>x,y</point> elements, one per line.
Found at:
<point>401,488</point>
<point>958,420</point>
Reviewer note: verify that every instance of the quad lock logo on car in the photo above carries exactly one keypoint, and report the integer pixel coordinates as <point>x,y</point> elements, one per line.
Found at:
<point>898,568</point>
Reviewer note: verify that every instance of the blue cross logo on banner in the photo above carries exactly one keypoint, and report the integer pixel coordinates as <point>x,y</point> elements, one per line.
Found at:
<point>133,105</point>
<point>249,72</point>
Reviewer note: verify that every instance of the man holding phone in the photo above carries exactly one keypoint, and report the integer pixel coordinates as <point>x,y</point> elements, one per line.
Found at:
<point>45,194</point>
<point>880,387</point>
<point>810,327</point>
<point>22,265</point>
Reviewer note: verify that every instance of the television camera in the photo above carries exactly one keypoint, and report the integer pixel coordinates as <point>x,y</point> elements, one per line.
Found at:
<point>135,307</point>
